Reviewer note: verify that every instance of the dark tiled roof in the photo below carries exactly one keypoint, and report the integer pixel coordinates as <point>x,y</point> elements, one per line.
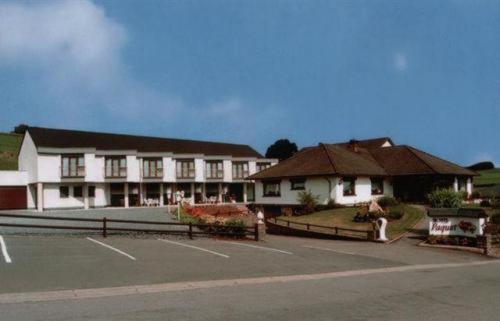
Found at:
<point>340,159</point>
<point>62,138</point>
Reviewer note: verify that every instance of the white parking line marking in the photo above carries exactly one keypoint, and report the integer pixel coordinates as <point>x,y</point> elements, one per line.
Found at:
<point>330,250</point>
<point>259,247</point>
<point>4,250</point>
<point>194,247</point>
<point>112,248</point>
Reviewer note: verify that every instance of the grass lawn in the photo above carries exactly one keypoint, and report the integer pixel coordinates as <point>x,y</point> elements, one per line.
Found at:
<point>342,217</point>
<point>487,177</point>
<point>9,148</point>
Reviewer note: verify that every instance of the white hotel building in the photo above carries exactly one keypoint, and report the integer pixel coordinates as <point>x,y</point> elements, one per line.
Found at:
<point>75,169</point>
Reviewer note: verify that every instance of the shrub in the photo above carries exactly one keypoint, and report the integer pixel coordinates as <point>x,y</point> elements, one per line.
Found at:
<point>386,201</point>
<point>475,194</point>
<point>445,198</point>
<point>495,203</point>
<point>495,218</point>
<point>308,201</point>
<point>235,228</point>
<point>485,203</point>
<point>395,215</point>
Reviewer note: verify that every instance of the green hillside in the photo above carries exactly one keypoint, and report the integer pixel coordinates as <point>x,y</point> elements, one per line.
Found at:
<point>9,148</point>
<point>488,177</point>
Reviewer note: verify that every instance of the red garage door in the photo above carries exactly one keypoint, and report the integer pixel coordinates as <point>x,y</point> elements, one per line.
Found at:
<point>13,197</point>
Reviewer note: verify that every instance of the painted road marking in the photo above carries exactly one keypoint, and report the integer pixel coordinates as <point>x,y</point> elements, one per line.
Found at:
<point>194,247</point>
<point>259,247</point>
<point>329,250</point>
<point>112,248</point>
<point>80,294</point>
<point>3,246</point>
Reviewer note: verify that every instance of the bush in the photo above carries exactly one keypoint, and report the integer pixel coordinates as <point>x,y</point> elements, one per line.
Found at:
<point>485,203</point>
<point>495,218</point>
<point>495,204</point>
<point>235,228</point>
<point>386,201</point>
<point>308,201</point>
<point>330,206</point>
<point>442,198</point>
<point>395,215</point>
<point>475,194</point>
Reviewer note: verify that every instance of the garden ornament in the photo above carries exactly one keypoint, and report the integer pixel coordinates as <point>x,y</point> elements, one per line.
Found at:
<point>260,218</point>
<point>381,225</point>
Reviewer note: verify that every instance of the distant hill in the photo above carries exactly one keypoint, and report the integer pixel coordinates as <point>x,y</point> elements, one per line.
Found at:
<point>9,148</point>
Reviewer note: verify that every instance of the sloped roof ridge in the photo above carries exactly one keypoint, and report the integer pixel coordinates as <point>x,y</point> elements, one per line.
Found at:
<point>413,149</point>
<point>330,159</point>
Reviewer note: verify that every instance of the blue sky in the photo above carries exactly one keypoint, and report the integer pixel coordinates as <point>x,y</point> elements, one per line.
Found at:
<point>426,73</point>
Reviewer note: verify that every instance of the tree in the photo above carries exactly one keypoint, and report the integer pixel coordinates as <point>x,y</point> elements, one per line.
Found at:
<point>20,129</point>
<point>281,149</point>
<point>481,166</point>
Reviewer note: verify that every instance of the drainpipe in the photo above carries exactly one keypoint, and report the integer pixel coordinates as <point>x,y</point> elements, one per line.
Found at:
<point>329,189</point>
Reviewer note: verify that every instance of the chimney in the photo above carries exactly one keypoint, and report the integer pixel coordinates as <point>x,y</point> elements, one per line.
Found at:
<point>353,145</point>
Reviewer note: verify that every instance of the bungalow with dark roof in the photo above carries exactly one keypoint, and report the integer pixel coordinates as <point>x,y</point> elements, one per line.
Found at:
<point>358,171</point>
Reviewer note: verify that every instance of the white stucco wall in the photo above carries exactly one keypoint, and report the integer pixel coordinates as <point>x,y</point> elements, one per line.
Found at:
<point>49,168</point>
<point>199,166</point>
<point>13,178</point>
<point>28,158</point>
<point>52,199</point>
<point>320,187</point>
<point>228,171</point>
<point>133,168</point>
<point>169,169</point>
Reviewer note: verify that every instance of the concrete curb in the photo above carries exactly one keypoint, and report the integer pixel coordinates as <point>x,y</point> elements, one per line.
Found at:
<point>452,247</point>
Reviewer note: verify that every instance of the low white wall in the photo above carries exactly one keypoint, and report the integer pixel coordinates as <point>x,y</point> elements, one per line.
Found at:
<point>52,199</point>
<point>13,178</point>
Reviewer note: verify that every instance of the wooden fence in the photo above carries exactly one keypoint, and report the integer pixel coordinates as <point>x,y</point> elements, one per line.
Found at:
<point>327,230</point>
<point>106,225</point>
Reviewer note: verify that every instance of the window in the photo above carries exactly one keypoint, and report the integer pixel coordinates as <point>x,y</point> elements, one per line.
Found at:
<point>349,186</point>
<point>91,191</point>
<point>77,191</point>
<point>462,184</point>
<point>262,166</point>
<point>214,169</point>
<point>185,168</point>
<point>63,191</point>
<point>377,185</point>
<point>298,184</point>
<point>152,167</point>
<point>116,166</point>
<point>271,188</point>
<point>240,170</point>
<point>72,166</point>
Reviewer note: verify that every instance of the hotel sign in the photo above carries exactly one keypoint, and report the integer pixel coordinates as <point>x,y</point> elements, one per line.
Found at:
<point>456,221</point>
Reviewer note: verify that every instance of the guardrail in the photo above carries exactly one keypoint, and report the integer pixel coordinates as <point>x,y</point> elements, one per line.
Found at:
<point>336,230</point>
<point>106,225</point>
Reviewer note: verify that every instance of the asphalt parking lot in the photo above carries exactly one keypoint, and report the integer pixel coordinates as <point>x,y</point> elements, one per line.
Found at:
<point>46,263</point>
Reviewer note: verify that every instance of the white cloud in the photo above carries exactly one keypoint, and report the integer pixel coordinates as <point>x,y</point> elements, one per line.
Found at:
<point>400,62</point>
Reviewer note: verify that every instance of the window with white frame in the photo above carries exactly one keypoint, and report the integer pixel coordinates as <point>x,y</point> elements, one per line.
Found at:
<point>271,188</point>
<point>377,185</point>
<point>185,168</point>
<point>240,170</point>
<point>214,169</point>
<point>349,186</point>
